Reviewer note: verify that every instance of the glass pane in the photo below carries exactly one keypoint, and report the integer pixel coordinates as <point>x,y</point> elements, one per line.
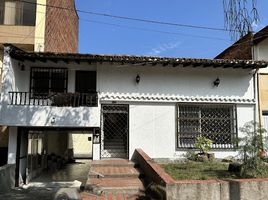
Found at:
<point>29,13</point>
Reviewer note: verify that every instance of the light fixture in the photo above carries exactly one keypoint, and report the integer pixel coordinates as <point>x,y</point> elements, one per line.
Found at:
<point>138,79</point>
<point>216,83</point>
<point>53,120</point>
<point>22,66</point>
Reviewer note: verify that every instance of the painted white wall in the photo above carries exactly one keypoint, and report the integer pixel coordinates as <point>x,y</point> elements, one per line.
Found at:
<point>152,127</point>
<point>175,81</point>
<point>16,80</point>
<point>260,52</point>
<point>12,145</point>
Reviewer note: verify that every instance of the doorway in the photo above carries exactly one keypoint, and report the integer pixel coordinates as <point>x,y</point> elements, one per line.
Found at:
<point>115,133</point>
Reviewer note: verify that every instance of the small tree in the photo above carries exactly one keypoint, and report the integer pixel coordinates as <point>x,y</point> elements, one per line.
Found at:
<point>250,146</point>
<point>203,144</point>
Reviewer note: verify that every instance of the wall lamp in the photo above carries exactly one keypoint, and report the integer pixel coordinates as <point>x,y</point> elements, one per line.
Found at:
<point>22,66</point>
<point>216,83</point>
<point>138,79</point>
<point>53,120</point>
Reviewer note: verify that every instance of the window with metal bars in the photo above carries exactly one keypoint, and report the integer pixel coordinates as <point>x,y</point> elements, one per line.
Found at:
<point>213,121</point>
<point>48,80</point>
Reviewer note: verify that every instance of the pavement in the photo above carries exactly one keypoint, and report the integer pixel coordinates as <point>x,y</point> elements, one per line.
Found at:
<point>118,180</point>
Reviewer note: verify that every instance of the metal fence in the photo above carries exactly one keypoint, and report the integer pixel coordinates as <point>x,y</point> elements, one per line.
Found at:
<point>54,99</point>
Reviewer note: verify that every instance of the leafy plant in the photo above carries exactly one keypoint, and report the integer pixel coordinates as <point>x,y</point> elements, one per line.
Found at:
<point>250,146</point>
<point>203,144</point>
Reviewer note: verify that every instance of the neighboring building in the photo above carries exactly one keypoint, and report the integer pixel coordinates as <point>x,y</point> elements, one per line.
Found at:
<point>123,102</point>
<point>36,26</point>
<point>253,47</point>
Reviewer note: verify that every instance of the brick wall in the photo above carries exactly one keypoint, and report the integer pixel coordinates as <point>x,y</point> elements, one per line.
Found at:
<point>61,33</point>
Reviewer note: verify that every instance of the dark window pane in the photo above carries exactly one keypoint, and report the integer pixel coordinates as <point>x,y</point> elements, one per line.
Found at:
<point>48,80</point>
<point>29,13</point>
<point>85,81</point>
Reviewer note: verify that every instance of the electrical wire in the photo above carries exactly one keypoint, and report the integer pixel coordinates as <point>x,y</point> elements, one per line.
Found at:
<point>131,18</point>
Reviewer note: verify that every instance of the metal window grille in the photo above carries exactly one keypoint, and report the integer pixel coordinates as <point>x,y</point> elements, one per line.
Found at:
<point>48,80</point>
<point>214,121</point>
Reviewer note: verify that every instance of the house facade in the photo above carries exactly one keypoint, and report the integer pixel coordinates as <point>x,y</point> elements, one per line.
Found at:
<point>253,47</point>
<point>122,103</point>
<point>37,26</point>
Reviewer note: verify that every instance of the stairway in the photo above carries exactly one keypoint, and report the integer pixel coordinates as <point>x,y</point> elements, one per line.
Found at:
<point>116,178</point>
<point>115,147</point>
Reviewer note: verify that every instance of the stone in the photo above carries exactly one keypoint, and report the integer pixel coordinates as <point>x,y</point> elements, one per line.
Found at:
<point>234,167</point>
<point>228,159</point>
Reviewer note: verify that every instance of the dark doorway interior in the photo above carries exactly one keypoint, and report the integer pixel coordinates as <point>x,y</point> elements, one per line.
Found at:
<point>85,81</point>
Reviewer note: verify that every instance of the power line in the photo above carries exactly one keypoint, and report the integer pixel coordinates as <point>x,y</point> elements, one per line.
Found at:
<point>131,18</point>
<point>138,28</point>
<point>151,30</point>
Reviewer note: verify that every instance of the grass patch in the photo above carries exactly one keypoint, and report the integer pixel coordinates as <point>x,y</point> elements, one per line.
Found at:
<point>199,170</point>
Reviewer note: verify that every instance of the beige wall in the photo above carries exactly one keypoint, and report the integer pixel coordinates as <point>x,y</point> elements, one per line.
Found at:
<point>263,91</point>
<point>17,34</point>
<point>40,26</point>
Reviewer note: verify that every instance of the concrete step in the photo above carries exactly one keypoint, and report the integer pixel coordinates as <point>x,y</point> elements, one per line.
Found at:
<point>122,185</point>
<point>113,163</point>
<point>112,195</point>
<point>113,172</point>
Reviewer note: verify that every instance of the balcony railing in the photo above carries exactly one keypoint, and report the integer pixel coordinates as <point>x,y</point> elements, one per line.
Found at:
<point>55,99</point>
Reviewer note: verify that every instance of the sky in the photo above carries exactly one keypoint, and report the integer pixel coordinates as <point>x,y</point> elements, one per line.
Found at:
<point>106,35</point>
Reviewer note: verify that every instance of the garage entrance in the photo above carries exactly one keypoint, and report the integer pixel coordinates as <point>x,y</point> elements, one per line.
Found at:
<point>47,152</point>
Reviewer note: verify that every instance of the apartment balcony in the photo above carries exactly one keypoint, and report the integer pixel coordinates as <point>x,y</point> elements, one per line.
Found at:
<point>54,99</point>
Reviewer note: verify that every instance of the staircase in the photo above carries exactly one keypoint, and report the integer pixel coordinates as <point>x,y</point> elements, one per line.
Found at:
<point>120,179</point>
<point>115,147</point>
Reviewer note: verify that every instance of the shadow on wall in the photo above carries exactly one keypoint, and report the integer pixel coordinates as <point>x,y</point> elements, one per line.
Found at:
<point>50,116</point>
<point>190,82</point>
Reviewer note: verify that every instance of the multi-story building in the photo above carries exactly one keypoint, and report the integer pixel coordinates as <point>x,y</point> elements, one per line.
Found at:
<point>36,25</point>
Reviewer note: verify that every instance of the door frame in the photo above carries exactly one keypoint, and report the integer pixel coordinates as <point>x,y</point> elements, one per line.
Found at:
<point>102,129</point>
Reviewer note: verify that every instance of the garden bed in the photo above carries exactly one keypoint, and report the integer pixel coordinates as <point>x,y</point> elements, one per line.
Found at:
<point>191,170</point>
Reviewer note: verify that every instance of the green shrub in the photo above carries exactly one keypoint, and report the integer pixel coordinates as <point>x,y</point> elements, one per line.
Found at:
<point>203,144</point>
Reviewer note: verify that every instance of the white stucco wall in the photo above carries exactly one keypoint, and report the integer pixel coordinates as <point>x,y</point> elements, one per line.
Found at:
<point>15,79</point>
<point>153,127</point>
<point>260,52</point>
<point>178,82</point>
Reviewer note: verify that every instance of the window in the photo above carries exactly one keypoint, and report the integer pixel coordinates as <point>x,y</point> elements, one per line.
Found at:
<point>48,80</point>
<point>16,12</point>
<point>216,122</point>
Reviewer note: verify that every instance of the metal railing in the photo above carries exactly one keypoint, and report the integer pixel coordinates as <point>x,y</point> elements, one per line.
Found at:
<point>54,99</point>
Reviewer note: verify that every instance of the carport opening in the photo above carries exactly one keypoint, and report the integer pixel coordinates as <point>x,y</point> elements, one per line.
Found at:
<point>60,155</point>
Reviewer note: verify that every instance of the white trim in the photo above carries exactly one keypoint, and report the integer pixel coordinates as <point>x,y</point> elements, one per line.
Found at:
<point>170,99</point>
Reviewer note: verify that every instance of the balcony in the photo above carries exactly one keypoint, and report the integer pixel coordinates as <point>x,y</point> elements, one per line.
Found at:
<point>54,99</point>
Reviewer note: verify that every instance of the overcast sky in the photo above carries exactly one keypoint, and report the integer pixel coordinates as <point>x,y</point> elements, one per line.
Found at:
<point>107,35</point>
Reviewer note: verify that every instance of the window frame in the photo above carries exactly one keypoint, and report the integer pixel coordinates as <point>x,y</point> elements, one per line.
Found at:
<point>50,70</point>
<point>233,117</point>
<point>21,15</point>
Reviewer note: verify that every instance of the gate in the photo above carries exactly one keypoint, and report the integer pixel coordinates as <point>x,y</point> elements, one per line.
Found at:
<point>114,135</point>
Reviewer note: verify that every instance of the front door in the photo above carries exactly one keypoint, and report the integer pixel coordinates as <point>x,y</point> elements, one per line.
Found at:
<point>114,137</point>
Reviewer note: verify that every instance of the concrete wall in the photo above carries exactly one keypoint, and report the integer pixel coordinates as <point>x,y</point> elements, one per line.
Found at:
<point>241,189</point>
<point>170,189</point>
<point>7,178</point>
<point>16,80</point>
